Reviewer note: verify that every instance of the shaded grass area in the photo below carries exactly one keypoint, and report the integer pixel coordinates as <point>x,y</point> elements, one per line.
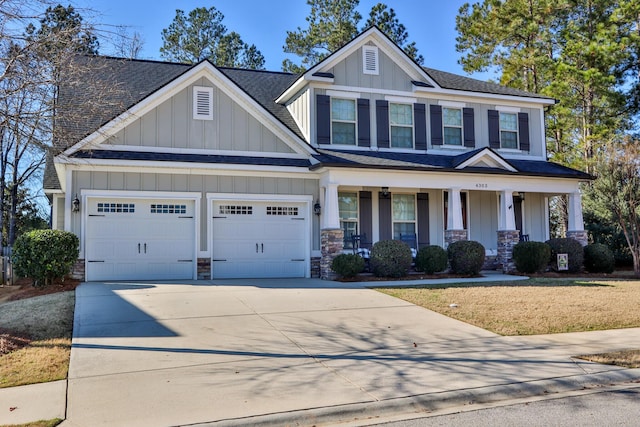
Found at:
<point>42,326</point>
<point>534,306</point>
<point>42,423</point>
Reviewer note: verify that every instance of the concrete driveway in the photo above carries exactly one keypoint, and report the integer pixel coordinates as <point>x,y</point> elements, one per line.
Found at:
<point>150,354</point>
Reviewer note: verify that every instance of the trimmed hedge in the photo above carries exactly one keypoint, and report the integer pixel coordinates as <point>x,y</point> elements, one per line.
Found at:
<point>466,257</point>
<point>598,258</point>
<point>531,257</point>
<point>390,258</point>
<point>45,255</point>
<point>566,246</point>
<point>348,265</point>
<point>431,259</point>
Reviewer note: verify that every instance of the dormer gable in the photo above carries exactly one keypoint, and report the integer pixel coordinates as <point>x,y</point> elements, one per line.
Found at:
<point>483,158</point>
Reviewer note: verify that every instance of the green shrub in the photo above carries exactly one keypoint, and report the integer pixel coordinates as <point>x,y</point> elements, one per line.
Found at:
<point>44,255</point>
<point>390,258</point>
<point>466,257</point>
<point>531,257</point>
<point>566,246</point>
<point>431,259</point>
<point>598,258</point>
<point>348,265</point>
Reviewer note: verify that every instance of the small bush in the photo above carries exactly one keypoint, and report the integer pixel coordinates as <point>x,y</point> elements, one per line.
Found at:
<point>431,259</point>
<point>390,258</point>
<point>466,257</point>
<point>566,246</point>
<point>531,257</point>
<point>598,258</point>
<point>45,255</point>
<point>348,265</point>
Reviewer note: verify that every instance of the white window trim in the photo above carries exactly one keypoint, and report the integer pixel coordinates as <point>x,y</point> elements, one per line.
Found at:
<point>355,122</point>
<point>196,114</point>
<point>343,94</point>
<point>413,123</point>
<point>452,104</point>
<point>370,50</point>
<point>444,142</point>
<point>415,213</point>
<point>357,219</point>
<point>517,131</point>
<point>507,109</point>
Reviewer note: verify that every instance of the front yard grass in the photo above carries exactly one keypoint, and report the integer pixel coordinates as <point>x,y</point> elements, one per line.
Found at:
<point>42,326</point>
<point>534,306</point>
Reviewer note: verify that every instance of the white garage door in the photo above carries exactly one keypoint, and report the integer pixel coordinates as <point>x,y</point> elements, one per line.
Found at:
<point>259,239</point>
<point>140,239</point>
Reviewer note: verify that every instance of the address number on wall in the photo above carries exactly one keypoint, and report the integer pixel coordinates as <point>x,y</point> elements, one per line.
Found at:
<point>482,185</point>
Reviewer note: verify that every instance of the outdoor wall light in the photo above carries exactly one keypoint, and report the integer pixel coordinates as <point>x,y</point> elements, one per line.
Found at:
<point>521,194</point>
<point>317,208</point>
<point>385,191</point>
<point>75,204</point>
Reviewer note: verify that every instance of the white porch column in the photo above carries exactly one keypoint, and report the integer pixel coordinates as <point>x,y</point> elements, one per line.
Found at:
<point>330,213</point>
<point>454,212</point>
<point>576,222</point>
<point>507,217</point>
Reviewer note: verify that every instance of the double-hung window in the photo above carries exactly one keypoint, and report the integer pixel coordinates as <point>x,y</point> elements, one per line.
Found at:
<point>348,211</point>
<point>403,215</point>
<point>452,121</point>
<point>508,130</point>
<point>401,123</point>
<point>343,121</point>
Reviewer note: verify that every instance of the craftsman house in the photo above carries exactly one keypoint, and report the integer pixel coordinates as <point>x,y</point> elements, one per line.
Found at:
<point>207,172</point>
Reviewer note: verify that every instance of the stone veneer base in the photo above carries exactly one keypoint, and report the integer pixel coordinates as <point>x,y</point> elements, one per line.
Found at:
<point>451,236</point>
<point>332,243</point>
<point>507,239</point>
<point>580,235</point>
<point>204,268</point>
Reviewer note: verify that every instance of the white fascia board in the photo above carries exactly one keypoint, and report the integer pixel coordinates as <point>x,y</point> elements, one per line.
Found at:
<point>444,180</point>
<point>413,70</point>
<point>185,168</point>
<point>171,150</point>
<point>493,157</point>
<point>429,92</point>
<point>222,82</point>
<point>140,194</point>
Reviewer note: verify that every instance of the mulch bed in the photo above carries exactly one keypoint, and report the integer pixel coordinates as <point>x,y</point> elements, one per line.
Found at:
<point>10,341</point>
<point>24,289</point>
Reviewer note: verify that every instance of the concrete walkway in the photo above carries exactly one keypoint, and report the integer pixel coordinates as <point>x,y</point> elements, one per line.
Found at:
<point>276,352</point>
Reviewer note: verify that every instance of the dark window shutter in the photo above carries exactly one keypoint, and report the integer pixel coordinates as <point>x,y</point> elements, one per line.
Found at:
<point>323,122</point>
<point>366,222</point>
<point>469,128</point>
<point>523,130</point>
<point>382,123</point>
<point>423,219</point>
<point>384,216</point>
<point>364,133</point>
<point>494,129</point>
<point>435,112</point>
<point>420,120</point>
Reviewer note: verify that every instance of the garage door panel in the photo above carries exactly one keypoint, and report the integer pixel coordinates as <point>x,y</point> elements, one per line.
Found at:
<point>140,239</point>
<point>276,229</point>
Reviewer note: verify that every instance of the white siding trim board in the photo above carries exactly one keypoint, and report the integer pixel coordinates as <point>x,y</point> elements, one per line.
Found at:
<point>173,150</point>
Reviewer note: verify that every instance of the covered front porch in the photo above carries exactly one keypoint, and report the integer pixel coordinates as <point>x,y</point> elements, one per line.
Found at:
<point>438,208</point>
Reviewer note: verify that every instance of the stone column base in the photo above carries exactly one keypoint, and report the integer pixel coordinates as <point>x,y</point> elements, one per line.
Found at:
<point>580,235</point>
<point>507,239</point>
<point>315,267</point>
<point>331,241</point>
<point>77,271</point>
<point>451,236</point>
<point>204,268</point>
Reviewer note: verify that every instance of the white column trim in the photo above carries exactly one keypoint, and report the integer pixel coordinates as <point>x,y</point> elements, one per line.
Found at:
<point>576,220</point>
<point>506,214</point>
<point>454,211</point>
<point>330,211</point>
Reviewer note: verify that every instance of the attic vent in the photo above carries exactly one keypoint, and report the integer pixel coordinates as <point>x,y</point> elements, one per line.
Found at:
<point>370,60</point>
<point>202,103</point>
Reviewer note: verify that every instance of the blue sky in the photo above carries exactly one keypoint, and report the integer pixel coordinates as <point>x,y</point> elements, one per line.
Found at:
<point>430,23</point>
